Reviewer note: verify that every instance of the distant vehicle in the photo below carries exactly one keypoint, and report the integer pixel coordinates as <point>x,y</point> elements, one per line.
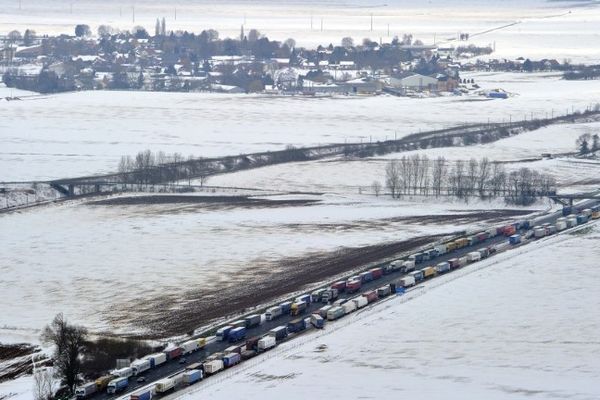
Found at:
<point>141,379</point>
<point>182,360</point>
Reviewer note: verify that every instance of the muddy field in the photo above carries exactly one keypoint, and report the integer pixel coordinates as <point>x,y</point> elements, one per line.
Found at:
<point>217,202</point>
<point>268,281</point>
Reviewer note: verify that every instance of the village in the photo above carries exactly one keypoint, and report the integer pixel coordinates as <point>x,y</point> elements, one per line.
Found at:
<point>188,62</point>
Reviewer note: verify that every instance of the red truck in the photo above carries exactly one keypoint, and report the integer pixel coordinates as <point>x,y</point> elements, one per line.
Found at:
<point>353,286</point>
<point>340,286</point>
<point>377,273</point>
<point>371,296</point>
<point>173,353</point>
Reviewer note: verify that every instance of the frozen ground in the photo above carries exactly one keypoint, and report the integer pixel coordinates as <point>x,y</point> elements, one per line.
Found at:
<point>92,262</point>
<point>37,142</point>
<point>541,29</point>
<point>519,325</point>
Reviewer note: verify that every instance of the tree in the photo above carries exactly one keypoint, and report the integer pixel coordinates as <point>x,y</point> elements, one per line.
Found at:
<point>163,27</point>
<point>14,36</point>
<point>583,143</point>
<point>68,341</point>
<point>290,43</point>
<point>105,31</point>
<point>28,37</point>
<point>392,177</point>
<point>347,42</point>
<point>528,65</point>
<point>595,143</point>
<point>253,35</point>
<point>43,384</point>
<point>376,187</point>
<point>157,28</point>
<point>82,30</point>
<point>439,173</point>
<point>139,32</point>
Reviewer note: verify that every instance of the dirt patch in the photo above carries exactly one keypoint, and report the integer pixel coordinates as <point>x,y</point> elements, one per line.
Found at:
<point>210,202</point>
<point>15,360</point>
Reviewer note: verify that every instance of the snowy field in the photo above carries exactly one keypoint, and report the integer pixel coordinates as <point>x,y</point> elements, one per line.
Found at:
<point>519,325</point>
<point>538,28</point>
<point>38,142</point>
<point>93,262</point>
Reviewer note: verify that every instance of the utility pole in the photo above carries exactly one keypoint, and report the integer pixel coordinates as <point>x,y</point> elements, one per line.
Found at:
<point>321,24</point>
<point>371,22</point>
<point>311,21</point>
<point>71,8</point>
<point>388,31</point>
<point>175,13</point>
<point>133,14</point>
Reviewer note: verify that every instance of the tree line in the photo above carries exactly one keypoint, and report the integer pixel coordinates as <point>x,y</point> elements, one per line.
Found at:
<point>419,175</point>
<point>588,143</point>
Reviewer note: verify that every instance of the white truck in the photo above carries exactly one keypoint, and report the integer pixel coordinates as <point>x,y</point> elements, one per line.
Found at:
<point>266,342</point>
<point>214,366</point>
<point>273,312</point>
<point>408,266</point>
<point>123,372</point>
<point>360,301</point>
<point>441,249</point>
<point>139,366</point>
<point>190,346</point>
<point>164,385</point>
<point>156,359</point>
<point>474,256</point>
<point>85,391</point>
<point>349,307</point>
<point>407,281</point>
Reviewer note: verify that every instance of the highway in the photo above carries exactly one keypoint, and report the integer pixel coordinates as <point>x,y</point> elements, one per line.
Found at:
<point>174,366</point>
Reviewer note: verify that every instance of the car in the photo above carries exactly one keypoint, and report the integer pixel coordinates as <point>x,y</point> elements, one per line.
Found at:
<point>182,360</point>
<point>141,379</point>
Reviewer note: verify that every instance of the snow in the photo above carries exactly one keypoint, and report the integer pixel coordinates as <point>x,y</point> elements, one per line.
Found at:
<point>93,262</point>
<point>17,389</point>
<point>517,325</point>
<point>44,145</point>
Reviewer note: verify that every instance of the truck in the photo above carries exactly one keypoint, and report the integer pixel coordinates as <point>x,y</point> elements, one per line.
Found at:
<point>223,332</point>
<point>236,334</point>
<point>383,291</point>
<point>323,311</point>
<point>492,232</point>
<point>539,232</point>
<point>353,286</point>
<point>201,342</point>
<point>514,239</point>
<point>252,321</point>
<point>484,252</point>
<point>212,367</point>
<point>252,343</point>
<point>335,312</point>
<point>142,394</point>
<point>339,285</point>
<point>192,366</point>
<point>248,354</point>
<point>582,219</point>
<point>474,256</point>
<point>103,381</point>
<point>462,261</point>
<point>279,333</point>
<point>296,325</point>
<point>139,366</point>
<point>417,275</point>
<point>393,266</point>
<point>231,359</point>
<point>509,230</point>
<point>117,385</point>
<point>451,246</point>
<point>349,307</point>
<point>360,301</point>
<point>560,225</point>
<point>365,276</point>
<point>442,267</point>
<point>454,263</point>
<point>417,258</point>
<point>173,352</point>
<point>408,266</point>
<point>190,346</point>
<point>298,307</point>
<point>376,273</point>
<point>164,385</point>
<point>428,272</point>
<point>317,321</point>
<point>238,323</point>
<point>286,307</point>
<point>407,281</point>
<point>571,222</point>
<point>234,348</point>
<point>441,249</point>
<point>316,296</point>
<point>192,376</point>
<point>329,295</point>
<point>267,342</point>
<point>273,312</point>
<point>126,372</point>
<point>305,298</point>
<point>371,296</point>
<point>85,391</point>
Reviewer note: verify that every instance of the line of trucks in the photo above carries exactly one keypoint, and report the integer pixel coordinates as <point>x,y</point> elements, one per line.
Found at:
<point>243,348</point>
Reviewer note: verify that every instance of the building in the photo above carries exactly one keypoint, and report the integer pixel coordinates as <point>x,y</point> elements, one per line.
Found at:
<point>413,81</point>
<point>363,86</point>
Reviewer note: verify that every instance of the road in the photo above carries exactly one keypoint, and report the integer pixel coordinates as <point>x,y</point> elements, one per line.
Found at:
<point>174,366</point>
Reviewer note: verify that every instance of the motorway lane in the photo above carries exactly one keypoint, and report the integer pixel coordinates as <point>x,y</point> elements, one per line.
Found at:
<point>172,367</point>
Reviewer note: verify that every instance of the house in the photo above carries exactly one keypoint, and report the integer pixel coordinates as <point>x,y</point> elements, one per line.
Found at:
<point>446,83</point>
<point>413,81</point>
<point>363,86</point>
<point>313,87</point>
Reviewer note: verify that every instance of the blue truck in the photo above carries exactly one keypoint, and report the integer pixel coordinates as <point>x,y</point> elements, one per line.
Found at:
<point>418,257</point>
<point>296,325</point>
<point>279,333</point>
<point>252,321</point>
<point>582,219</point>
<point>192,376</point>
<point>229,360</point>
<point>117,385</point>
<point>286,307</point>
<point>236,334</point>
<point>223,333</point>
<point>514,239</point>
<point>144,394</point>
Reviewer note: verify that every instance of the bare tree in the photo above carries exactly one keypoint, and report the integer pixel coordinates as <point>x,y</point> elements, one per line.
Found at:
<point>392,177</point>
<point>68,341</point>
<point>376,187</point>
<point>439,173</point>
<point>484,176</point>
<point>43,384</point>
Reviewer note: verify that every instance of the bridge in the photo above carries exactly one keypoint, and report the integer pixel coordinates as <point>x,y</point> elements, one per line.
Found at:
<point>567,199</point>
